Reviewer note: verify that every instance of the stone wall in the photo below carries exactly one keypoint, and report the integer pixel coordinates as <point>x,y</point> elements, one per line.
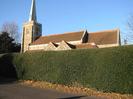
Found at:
<point>31,31</point>
<point>108,45</point>
<point>51,47</point>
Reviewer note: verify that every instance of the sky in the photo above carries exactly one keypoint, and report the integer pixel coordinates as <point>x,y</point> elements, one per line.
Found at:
<point>59,16</point>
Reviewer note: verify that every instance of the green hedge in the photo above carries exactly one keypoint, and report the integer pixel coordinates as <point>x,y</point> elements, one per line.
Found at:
<point>109,69</point>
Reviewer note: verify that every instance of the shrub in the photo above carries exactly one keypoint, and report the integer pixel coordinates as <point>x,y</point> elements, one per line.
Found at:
<point>108,69</point>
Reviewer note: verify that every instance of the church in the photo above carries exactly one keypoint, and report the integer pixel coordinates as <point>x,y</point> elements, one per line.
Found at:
<point>32,39</point>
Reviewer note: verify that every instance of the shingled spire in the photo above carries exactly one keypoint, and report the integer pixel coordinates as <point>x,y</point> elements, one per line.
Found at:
<point>33,12</point>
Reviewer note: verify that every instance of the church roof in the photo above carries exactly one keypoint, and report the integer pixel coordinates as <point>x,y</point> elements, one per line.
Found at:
<point>72,36</point>
<point>99,38</point>
<point>104,37</point>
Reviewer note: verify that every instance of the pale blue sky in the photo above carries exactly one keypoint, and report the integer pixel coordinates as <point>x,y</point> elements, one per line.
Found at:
<point>59,16</point>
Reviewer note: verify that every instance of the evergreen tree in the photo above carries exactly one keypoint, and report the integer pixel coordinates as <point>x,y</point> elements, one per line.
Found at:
<point>7,43</point>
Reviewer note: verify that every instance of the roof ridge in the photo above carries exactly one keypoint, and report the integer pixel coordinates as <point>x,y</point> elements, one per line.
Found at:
<point>62,33</point>
<point>104,31</point>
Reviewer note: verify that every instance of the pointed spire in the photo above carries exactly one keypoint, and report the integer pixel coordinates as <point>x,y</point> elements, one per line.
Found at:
<point>33,12</point>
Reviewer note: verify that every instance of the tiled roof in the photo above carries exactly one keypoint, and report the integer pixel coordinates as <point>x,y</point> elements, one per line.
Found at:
<point>74,36</point>
<point>86,46</point>
<point>103,37</point>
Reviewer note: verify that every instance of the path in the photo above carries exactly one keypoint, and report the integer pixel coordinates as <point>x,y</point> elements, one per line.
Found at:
<point>17,91</point>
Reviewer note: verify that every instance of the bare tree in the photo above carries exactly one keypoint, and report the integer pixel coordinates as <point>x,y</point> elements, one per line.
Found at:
<point>128,35</point>
<point>125,42</point>
<point>130,23</point>
<point>12,29</point>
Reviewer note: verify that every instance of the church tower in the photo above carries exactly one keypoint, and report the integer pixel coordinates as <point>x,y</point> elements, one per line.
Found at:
<point>31,29</point>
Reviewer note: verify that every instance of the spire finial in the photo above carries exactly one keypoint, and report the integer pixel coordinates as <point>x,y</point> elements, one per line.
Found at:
<point>33,12</point>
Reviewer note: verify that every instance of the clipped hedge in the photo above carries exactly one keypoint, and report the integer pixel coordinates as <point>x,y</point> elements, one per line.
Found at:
<point>109,69</point>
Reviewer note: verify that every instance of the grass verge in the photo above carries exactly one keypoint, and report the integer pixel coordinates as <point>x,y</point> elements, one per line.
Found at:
<point>75,90</point>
